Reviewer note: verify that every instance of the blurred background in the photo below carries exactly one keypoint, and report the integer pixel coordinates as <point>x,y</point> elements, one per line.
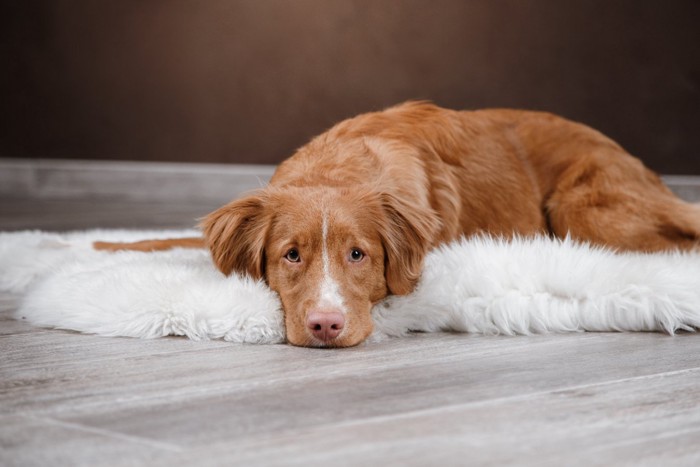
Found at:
<point>248,81</point>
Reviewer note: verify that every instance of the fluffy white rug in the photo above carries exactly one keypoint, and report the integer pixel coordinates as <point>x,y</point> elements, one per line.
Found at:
<point>479,285</point>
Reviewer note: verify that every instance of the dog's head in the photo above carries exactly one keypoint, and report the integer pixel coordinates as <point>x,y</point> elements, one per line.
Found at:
<point>330,253</point>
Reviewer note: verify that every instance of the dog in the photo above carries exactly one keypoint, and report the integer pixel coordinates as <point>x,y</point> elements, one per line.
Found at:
<point>349,218</point>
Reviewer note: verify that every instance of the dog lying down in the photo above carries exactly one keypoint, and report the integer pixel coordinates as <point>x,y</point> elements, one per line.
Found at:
<point>349,218</point>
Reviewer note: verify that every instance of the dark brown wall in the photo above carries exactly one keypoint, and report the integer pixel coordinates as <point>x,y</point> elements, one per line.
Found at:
<point>249,81</point>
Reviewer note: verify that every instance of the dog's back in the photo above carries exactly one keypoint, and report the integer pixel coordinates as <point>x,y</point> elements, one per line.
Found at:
<point>496,171</point>
<point>501,172</point>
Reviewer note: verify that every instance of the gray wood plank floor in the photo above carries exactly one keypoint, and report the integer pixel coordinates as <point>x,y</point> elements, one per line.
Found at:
<point>430,399</point>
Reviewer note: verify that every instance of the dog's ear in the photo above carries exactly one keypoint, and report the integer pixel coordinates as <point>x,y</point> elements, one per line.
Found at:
<point>235,234</point>
<point>407,234</point>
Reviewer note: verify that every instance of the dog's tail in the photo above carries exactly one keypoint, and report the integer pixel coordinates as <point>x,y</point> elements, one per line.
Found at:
<point>151,245</point>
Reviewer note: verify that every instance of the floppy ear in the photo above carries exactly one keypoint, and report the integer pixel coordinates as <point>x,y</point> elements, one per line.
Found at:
<point>235,234</point>
<point>407,234</point>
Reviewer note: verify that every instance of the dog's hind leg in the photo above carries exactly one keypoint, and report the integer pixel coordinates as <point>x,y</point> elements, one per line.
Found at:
<point>624,206</point>
<point>151,245</point>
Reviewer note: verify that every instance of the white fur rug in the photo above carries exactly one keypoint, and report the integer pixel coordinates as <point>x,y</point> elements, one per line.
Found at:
<point>479,285</point>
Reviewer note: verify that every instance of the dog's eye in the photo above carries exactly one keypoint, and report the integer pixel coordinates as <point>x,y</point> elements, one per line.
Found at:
<point>292,256</point>
<point>356,255</point>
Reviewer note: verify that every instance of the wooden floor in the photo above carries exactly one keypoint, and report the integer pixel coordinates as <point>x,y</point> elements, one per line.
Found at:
<point>438,399</point>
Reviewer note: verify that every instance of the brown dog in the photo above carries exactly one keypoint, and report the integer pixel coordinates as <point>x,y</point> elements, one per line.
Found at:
<point>349,218</point>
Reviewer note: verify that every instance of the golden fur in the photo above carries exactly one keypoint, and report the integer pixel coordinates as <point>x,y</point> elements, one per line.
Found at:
<point>388,186</point>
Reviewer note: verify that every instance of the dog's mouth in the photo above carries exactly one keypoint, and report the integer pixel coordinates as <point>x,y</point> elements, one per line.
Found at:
<point>313,342</point>
<point>343,340</point>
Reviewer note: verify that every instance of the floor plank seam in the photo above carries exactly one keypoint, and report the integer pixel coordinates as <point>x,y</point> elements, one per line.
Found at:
<point>647,439</point>
<point>107,433</point>
<point>499,400</point>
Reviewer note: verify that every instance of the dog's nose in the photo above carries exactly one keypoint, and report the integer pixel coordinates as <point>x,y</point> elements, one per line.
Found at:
<point>325,325</point>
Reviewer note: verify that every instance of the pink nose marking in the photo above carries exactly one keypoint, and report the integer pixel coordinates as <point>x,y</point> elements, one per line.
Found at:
<point>325,325</point>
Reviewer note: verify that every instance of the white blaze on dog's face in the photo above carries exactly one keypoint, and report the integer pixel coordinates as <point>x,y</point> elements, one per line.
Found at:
<point>326,261</point>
